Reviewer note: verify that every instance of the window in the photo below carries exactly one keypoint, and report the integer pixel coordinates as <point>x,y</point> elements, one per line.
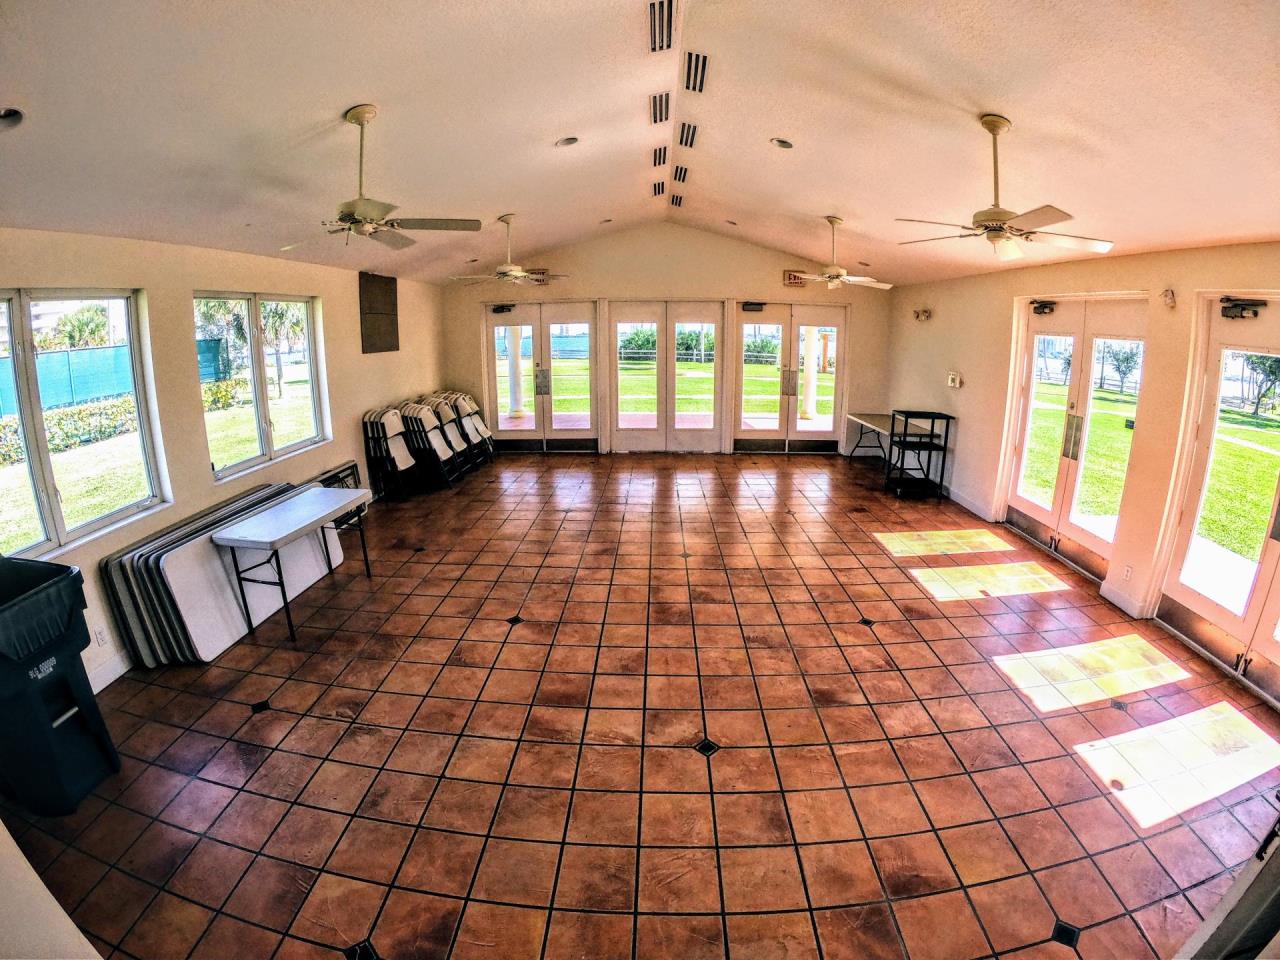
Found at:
<point>257,377</point>
<point>75,453</point>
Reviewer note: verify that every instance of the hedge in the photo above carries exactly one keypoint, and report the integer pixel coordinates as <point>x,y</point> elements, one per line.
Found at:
<point>70,427</point>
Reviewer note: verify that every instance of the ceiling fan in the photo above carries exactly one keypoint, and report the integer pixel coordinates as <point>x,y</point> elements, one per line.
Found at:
<point>1003,228</point>
<point>366,217</point>
<point>513,272</point>
<point>835,275</point>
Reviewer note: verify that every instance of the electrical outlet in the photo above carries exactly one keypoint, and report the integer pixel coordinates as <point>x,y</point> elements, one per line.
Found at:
<point>954,380</point>
<point>100,636</point>
<point>1127,573</point>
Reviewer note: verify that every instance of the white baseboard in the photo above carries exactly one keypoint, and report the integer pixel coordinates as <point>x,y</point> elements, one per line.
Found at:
<point>113,668</point>
<point>983,510</point>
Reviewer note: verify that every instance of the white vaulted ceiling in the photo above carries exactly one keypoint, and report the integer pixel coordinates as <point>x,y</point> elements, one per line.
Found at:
<point>219,124</point>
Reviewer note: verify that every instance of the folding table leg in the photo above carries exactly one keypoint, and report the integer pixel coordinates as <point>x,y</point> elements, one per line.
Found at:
<point>364,547</point>
<point>244,600</point>
<point>284,594</point>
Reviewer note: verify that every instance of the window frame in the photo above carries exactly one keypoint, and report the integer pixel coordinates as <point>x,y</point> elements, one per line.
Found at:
<point>31,416</point>
<point>258,367</point>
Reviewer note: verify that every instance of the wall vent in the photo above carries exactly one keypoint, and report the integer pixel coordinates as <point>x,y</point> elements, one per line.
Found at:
<point>680,174</point>
<point>695,71</point>
<point>659,156</point>
<point>661,21</point>
<point>677,200</point>
<point>659,188</point>
<point>660,108</point>
<point>688,132</point>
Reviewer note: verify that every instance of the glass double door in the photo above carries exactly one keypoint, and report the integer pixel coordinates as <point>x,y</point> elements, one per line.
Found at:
<point>540,371</point>
<point>1227,549</point>
<point>666,385</point>
<point>1080,382</point>
<point>789,388</point>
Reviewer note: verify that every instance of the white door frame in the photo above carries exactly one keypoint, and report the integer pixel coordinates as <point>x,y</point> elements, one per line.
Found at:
<point>1258,336</point>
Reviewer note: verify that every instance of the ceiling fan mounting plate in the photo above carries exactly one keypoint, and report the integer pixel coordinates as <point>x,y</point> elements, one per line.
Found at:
<point>832,219</point>
<point>506,218</point>
<point>995,124</point>
<point>361,114</point>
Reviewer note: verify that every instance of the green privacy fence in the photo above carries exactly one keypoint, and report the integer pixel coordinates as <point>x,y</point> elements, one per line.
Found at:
<point>70,377</point>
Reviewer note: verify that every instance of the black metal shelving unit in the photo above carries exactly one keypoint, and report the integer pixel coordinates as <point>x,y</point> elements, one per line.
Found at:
<point>917,461</point>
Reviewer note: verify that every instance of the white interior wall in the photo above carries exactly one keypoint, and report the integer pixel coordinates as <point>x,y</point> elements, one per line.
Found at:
<point>168,275</point>
<point>971,331</point>
<point>666,261</point>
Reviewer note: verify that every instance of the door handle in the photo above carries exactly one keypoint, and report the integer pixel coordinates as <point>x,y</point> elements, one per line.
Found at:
<point>1071,436</point>
<point>542,382</point>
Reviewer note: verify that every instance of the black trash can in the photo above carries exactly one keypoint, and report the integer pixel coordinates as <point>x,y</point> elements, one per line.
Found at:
<point>54,745</point>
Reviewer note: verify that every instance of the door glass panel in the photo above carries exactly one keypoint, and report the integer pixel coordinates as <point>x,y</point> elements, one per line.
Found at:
<point>286,347</point>
<point>761,376</point>
<point>226,380</point>
<point>637,376</point>
<point>815,406</point>
<point>1047,418</point>
<point>570,376</point>
<point>695,381</point>
<point>20,524</point>
<point>513,359</point>
<point>1234,517</point>
<point>1114,381</point>
<point>84,371</point>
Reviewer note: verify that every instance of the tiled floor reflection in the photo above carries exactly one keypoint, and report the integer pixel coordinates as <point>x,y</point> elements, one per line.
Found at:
<point>488,750</point>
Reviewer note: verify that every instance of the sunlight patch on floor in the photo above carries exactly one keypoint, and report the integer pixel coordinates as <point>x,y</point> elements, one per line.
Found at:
<point>922,543</point>
<point>987,580</point>
<point>1160,771</point>
<point>1089,672</point>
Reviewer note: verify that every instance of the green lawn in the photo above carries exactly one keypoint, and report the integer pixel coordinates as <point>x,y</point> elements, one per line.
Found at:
<point>637,386</point>
<point>1237,510</point>
<point>98,478</point>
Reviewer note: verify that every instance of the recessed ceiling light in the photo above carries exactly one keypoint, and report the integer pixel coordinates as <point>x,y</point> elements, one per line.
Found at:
<point>781,144</point>
<point>10,117</point>
<point>566,141</point>
<point>732,223</point>
<point>607,220</point>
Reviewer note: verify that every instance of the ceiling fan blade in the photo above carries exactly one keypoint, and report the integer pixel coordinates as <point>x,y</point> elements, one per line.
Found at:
<point>363,208</point>
<point>937,223</point>
<point>393,239</point>
<point>297,243</point>
<point>954,236</point>
<point>479,277</point>
<point>1070,241</point>
<point>811,276</point>
<point>1008,249</point>
<point>427,223</point>
<point>869,282</point>
<point>1045,216</point>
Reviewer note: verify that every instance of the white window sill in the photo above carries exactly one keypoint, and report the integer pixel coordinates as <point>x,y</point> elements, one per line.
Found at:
<point>279,458</point>
<point>53,553</point>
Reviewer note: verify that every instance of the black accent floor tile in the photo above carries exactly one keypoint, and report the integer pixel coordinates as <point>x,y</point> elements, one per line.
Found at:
<point>1065,934</point>
<point>706,747</point>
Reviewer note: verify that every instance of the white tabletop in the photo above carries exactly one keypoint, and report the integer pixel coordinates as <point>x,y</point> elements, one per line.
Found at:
<point>286,521</point>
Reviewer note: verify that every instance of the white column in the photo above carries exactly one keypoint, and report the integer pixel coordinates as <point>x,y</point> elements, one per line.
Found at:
<point>809,401</point>
<point>515,372</point>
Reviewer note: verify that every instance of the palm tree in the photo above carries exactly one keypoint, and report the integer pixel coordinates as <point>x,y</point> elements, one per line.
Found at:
<point>282,322</point>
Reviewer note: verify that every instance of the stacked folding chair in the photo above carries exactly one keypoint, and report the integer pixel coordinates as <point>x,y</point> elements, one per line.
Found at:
<point>427,443</point>
<point>391,465</point>
<point>470,454</point>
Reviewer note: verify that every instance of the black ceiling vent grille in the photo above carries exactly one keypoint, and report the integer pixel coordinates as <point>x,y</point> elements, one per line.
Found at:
<point>661,20</point>
<point>677,200</point>
<point>681,174</point>
<point>660,108</point>
<point>688,132</point>
<point>659,156</point>
<point>659,188</point>
<point>695,71</point>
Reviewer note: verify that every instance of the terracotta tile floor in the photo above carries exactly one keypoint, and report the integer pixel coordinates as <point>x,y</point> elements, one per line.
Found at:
<point>489,749</point>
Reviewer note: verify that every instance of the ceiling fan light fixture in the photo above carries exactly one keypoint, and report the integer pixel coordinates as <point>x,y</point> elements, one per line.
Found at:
<point>781,143</point>
<point>566,141</point>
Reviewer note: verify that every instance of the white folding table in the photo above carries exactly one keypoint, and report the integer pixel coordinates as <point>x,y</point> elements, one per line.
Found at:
<point>312,510</point>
